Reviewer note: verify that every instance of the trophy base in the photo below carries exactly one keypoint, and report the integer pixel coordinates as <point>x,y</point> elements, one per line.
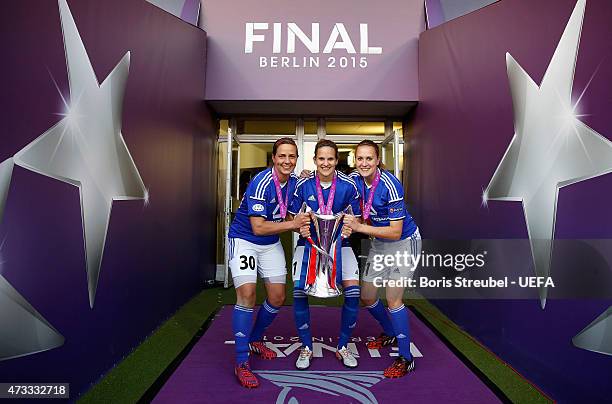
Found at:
<point>322,292</point>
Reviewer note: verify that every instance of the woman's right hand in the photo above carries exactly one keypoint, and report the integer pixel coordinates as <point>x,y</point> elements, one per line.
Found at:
<point>301,220</point>
<point>305,229</point>
<point>305,173</point>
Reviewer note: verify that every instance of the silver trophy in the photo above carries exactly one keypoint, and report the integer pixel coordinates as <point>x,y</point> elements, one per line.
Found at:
<point>322,283</point>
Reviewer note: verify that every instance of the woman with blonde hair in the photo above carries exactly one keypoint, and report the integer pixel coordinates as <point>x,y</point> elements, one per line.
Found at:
<point>386,220</point>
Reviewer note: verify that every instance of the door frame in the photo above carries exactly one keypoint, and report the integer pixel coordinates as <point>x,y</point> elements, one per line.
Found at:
<point>234,139</point>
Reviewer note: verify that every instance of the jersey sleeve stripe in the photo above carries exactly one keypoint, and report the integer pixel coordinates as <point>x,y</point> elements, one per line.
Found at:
<point>300,182</point>
<point>346,178</point>
<point>264,184</point>
<point>342,175</point>
<point>397,185</point>
<point>261,189</point>
<point>389,185</point>
<point>264,177</point>
<point>393,194</point>
<point>260,178</point>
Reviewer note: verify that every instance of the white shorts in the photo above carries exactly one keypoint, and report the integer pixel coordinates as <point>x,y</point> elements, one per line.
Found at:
<point>350,268</point>
<point>246,260</point>
<point>409,250</point>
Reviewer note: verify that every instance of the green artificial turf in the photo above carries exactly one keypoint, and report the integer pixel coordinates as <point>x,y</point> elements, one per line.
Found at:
<point>132,377</point>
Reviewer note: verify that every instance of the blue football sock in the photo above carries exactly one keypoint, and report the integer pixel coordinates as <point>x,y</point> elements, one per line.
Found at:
<point>265,316</point>
<point>350,309</point>
<point>301,314</point>
<point>241,325</point>
<point>401,326</point>
<point>378,311</point>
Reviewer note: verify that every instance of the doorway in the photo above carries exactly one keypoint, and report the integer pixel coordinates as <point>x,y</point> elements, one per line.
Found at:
<point>245,148</point>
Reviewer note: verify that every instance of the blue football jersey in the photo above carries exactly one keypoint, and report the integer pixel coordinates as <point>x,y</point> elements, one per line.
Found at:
<point>387,204</point>
<point>306,191</point>
<point>260,200</point>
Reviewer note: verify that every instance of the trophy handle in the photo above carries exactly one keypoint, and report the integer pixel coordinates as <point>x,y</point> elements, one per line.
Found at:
<point>304,209</point>
<point>347,211</point>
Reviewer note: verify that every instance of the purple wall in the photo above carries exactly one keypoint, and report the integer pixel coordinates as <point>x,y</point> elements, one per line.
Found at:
<point>461,128</point>
<point>390,76</point>
<point>153,260</point>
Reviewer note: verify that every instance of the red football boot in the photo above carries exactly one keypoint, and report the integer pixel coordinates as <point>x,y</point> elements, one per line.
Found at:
<point>400,367</point>
<point>381,341</point>
<point>261,349</point>
<point>245,376</point>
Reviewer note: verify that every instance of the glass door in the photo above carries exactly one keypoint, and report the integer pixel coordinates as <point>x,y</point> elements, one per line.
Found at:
<point>228,188</point>
<point>392,153</point>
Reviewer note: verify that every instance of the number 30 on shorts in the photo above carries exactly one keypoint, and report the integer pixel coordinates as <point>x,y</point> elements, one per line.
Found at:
<point>247,262</point>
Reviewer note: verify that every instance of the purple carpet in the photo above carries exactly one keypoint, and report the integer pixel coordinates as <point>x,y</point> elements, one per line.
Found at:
<point>206,375</point>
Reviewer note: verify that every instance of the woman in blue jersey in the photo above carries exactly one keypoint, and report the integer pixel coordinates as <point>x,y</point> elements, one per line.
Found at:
<point>255,248</point>
<point>386,220</point>
<point>326,192</point>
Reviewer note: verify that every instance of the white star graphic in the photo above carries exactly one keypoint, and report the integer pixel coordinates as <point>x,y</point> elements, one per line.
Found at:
<point>25,330</point>
<point>596,336</point>
<point>86,148</point>
<point>551,147</point>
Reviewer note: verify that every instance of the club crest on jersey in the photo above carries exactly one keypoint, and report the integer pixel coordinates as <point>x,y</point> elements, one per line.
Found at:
<point>258,207</point>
